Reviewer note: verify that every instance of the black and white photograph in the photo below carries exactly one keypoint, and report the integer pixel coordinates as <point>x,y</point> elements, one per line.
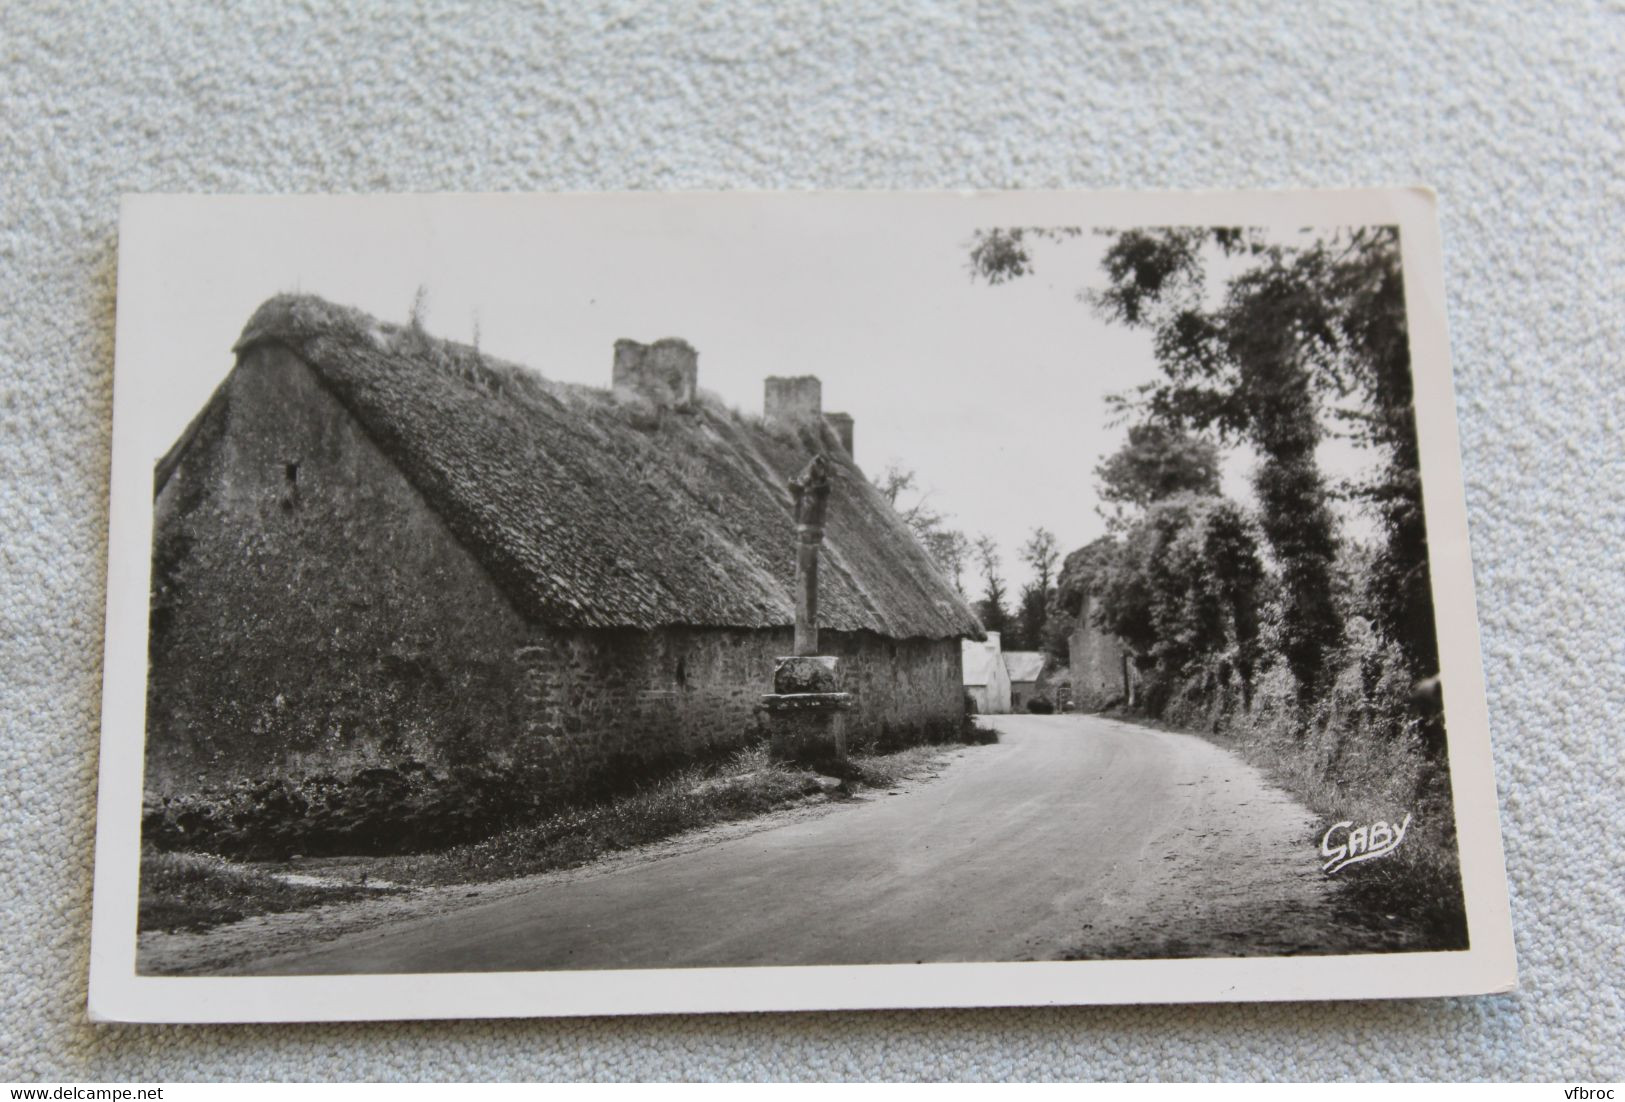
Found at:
<point>604,604</point>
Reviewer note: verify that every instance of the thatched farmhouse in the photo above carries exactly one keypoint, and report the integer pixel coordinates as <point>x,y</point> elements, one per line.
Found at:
<point>400,588</point>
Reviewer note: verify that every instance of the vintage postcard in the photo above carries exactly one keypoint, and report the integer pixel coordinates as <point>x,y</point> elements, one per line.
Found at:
<point>612,604</point>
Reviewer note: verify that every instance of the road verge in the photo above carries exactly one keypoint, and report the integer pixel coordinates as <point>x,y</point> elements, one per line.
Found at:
<point>193,892</point>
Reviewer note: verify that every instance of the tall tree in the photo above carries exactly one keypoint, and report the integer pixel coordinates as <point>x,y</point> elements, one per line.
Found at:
<point>948,547</point>
<point>1247,367</point>
<point>1040,553</point>
<point>1182,591</point>
<point>991,608</point>
<point>894,483</point>
<point>950,550</point>
<point>1158,461</point>
<point>1030,620</point>
<point>1315,326</point>
<point>1368,290</point>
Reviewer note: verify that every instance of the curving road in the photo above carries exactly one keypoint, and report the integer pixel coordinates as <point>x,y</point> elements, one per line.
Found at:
<point>1072,837</point>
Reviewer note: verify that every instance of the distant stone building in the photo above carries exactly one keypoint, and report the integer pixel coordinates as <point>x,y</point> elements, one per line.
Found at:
<point>401,589</point>
<point>1024,668</point>
<point>1102,667</point>
<point>987,681</point>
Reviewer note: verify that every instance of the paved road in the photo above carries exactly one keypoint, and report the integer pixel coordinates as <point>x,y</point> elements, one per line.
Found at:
<point>1074,836</point>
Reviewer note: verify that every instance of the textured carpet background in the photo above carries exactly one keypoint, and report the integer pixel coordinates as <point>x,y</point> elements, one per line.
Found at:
<point>1515,116</point>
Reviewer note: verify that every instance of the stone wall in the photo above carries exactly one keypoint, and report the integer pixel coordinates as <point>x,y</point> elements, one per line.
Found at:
<point>310,613</point>
<point>1097,661</point>
<point>906,690</point>
<point>602,708</point>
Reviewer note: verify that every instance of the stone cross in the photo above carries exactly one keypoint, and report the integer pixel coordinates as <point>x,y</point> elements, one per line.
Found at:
<point>807,709</point>
<point>811,490</point>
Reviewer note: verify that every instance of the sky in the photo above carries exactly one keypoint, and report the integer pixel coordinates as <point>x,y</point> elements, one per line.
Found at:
<point>994,396</point>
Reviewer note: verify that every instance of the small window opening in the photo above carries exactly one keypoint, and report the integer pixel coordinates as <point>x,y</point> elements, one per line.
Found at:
<point>682,673</point>
<point>290,497</point>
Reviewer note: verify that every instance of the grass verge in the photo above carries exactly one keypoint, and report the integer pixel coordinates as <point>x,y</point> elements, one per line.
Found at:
<point>1413,895</point>
<point>193,891</point>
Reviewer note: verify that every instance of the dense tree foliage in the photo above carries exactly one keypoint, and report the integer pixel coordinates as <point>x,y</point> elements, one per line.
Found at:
<point>1302,338</point>
<point>1181,581</point>
<point>1247,367</point>
<point>1082,573</point>
<point>1294,340</point>
<point>1183,590</point>
<point>1157,462</point>
<point>1315,649</point>
<point>1041,552</point>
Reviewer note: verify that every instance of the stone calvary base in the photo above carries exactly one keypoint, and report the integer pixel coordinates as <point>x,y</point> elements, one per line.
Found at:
<point>402,590</point>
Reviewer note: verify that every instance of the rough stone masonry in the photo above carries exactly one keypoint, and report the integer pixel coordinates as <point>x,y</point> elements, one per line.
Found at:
<point>455,592</point>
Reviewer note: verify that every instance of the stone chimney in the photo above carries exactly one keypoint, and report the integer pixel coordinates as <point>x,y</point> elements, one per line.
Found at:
<point>665,372</point>
<point>792,399</point>
<point>842,424</point>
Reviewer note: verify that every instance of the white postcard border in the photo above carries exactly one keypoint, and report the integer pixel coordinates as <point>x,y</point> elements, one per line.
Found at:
<point>118,993</point>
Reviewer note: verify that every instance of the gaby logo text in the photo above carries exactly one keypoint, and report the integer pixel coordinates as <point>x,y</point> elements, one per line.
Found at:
<point>1345,844</point>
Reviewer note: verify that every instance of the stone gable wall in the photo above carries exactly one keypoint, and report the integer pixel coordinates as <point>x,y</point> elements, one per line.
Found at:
<point>331,670</point>
<point>1096,664</point>
<point>310,613</point>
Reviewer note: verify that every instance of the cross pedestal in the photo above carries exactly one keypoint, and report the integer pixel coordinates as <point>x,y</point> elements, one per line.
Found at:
<point>807,710</point>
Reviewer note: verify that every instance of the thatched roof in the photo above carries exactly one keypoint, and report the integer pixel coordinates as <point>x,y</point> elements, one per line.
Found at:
<point>598,508</point>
